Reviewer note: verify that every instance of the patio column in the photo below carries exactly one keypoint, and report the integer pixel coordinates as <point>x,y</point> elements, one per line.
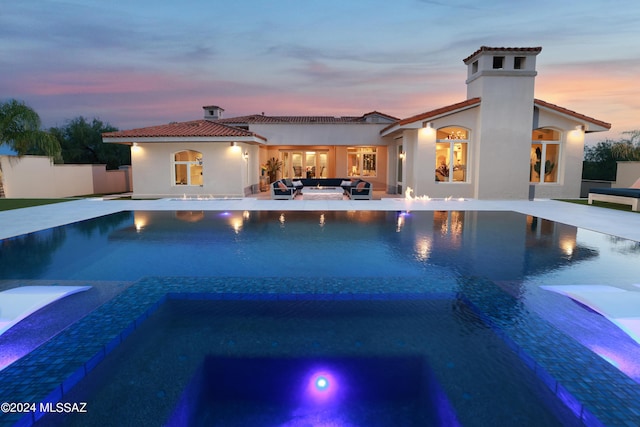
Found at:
<point>424,161</point>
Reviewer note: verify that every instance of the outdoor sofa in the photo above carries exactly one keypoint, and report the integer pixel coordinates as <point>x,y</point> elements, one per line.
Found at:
<point>623,196</point>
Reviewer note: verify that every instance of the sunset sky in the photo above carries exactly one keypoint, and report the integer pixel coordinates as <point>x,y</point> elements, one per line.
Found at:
<point>138,63</point>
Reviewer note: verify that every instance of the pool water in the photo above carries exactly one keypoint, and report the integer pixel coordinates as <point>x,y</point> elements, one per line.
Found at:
<point>459,291</point>
<point>497,245</point>
<point>456,370</point>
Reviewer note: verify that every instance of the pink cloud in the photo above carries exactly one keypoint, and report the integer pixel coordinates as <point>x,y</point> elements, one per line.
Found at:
<point>130,98</point>
<point>609,93</point>
<point>95,82</point>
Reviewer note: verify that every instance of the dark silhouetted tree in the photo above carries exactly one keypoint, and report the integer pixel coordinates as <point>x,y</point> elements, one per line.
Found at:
<point>600,160</point>
<point>81,142</point>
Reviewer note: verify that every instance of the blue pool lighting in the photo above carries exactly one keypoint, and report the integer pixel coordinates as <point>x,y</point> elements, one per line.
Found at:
<point>323,386</point>
<point>322,383</point>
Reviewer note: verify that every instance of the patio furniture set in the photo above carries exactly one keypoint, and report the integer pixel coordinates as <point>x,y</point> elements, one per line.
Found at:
<point>355,189</point>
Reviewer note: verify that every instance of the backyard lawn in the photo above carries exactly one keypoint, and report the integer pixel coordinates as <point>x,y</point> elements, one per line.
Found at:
<point>607,205</point>
<point>7,204</point>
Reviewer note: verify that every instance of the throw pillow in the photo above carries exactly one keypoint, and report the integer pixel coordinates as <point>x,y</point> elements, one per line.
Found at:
<point>281,186</point>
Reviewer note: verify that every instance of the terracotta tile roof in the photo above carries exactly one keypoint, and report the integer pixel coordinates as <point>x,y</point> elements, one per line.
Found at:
<point>535,50</point>
<point>476,101</point>
<point>260,118</point>
<point>196,128</point>
<point>435,113</point>
<point>372,113</point>
<point>541,103</point>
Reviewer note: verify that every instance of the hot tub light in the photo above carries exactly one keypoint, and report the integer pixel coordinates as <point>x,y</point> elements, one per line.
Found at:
<point>322,383</point>
<point>323,387</point>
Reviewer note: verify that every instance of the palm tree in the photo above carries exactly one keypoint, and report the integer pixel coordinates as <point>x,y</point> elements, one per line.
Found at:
<point>20,131</point>
<point>273,166</point>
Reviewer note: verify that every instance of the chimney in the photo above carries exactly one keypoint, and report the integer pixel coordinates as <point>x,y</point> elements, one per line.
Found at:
<point>212,112</point>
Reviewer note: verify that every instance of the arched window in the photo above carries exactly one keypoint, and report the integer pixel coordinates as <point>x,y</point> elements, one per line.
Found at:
<point>187,168</point>
<point>451,154</point>
<point>545,155</point>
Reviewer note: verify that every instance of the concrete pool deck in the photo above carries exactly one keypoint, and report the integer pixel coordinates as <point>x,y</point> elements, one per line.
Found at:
<point>613,222</point>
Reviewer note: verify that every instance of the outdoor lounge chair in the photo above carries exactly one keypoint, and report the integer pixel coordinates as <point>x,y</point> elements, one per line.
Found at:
<point>362,190</point>
<point>280,191</point>
<point>296,184</point>
<point>623,196</point>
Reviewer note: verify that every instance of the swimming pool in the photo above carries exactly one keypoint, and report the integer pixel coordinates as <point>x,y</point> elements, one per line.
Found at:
<point>485,268</point>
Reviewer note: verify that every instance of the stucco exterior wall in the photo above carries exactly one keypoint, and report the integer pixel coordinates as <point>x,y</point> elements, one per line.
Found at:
<point>37,176</point>
<point>320,134</point>
<point>570,162</point>
<point>420,158</point>
<point>224,171</point>
<point>493,162</point>
<point>503,143</point>
<point>111,181</point>
<point>26,177</point>
<point>73,180</point>
<point>627,174</point>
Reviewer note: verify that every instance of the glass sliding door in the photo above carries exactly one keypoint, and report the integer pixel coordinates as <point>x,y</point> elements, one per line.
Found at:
<point>310,164</point>
<point>362,161</point>
<point>305,164</point>
<point>323,161</point>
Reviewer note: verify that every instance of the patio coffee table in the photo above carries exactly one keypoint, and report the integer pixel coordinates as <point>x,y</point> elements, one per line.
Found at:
<point>322,193</point>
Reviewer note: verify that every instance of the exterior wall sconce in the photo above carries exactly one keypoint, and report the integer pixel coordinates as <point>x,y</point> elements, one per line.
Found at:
<point>580,127</point>
<point>428,125</point>
<point>234,144</point>
<point>402,155</point>
<point>245,155</point>
<point>135,147</point>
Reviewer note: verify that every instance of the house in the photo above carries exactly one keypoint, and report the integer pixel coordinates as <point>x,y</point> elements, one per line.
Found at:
<point>499,143</point>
